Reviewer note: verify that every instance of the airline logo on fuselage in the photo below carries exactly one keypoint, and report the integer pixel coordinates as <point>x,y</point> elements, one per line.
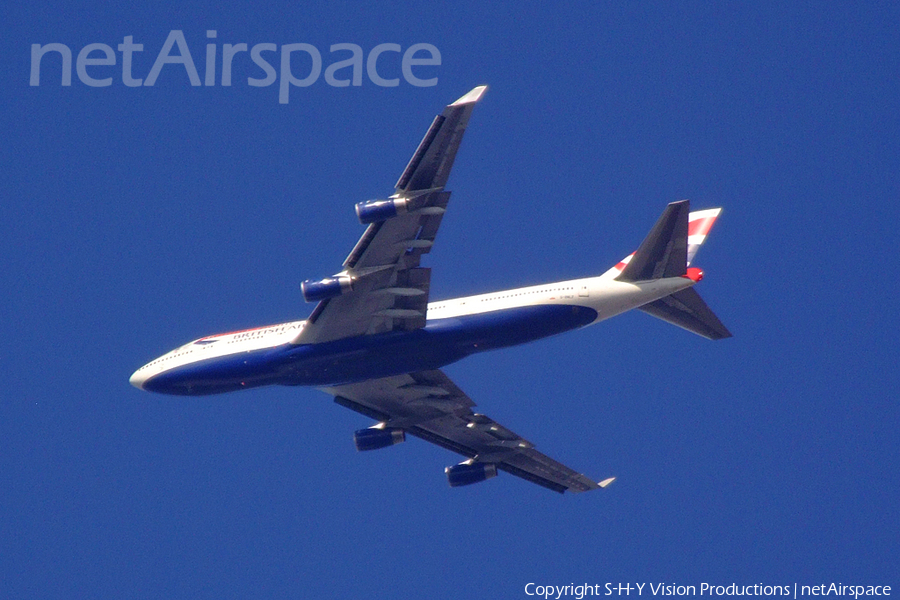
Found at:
<point>252,334</point>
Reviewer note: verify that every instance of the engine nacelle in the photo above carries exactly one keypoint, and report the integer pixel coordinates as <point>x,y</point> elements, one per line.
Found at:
<point>373,439</point>
<point>466,473</point>
<point>315,291</point>
<point>372,211</point>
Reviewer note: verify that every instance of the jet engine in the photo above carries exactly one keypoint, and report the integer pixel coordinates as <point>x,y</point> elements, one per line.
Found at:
<point>315,291</point>
<point>372,211</point>
<point>467,473</point>
<point>374,438</point>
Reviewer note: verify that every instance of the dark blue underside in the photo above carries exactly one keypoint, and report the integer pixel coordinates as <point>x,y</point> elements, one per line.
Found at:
<point>439,343</point>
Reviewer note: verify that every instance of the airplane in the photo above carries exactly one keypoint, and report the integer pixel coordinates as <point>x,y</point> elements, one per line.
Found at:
<point>376,343</point>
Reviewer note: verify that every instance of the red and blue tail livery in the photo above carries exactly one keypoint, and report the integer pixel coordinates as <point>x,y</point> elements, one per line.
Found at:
<point>377,343</point>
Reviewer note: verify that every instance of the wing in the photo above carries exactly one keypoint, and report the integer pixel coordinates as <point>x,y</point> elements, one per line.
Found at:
<point>382,287</point>
<point>430,406</point>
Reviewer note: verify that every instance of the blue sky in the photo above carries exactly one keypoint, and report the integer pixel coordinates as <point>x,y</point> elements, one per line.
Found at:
<point>136,219</point>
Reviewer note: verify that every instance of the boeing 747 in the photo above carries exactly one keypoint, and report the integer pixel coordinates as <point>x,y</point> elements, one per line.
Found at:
<point>376,343</point>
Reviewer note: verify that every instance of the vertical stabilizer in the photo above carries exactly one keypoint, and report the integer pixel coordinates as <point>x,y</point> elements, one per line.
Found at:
<point>664,251</point>
<point>699,224</point>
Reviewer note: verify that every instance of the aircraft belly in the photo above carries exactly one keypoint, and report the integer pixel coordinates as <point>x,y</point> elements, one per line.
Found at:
<point>350,360</point>
<point>439,343</point>
<point>241,370</point>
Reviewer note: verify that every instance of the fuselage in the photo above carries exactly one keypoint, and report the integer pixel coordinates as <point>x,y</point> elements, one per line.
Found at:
<point>454,329</point>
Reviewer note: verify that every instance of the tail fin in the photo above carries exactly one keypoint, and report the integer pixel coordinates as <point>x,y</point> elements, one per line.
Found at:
<point>663,253</point>
<point>666,252</point>
<point>699,224</point>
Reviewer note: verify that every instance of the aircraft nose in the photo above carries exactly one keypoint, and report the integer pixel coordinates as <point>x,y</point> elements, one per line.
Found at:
<point>138,378</point>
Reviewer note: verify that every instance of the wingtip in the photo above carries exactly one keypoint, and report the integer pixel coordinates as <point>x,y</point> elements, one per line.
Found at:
<point>606,482</point>
<point>473,96</point>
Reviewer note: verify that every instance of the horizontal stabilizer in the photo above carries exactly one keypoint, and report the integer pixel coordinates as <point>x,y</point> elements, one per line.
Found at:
<point>687,310</point>
<point>663,253</point>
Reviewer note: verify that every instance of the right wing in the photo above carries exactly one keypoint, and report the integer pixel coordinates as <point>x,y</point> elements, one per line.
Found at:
<point>384,289</point>
<point>428,405</point>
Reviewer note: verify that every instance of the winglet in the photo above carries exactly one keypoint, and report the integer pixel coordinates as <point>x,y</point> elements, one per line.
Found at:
<point>471,97</point>
<point>606,482</point>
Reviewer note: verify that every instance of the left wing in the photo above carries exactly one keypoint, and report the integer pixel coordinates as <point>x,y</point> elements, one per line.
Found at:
<point>430,406</point>
<point>381,287</point>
